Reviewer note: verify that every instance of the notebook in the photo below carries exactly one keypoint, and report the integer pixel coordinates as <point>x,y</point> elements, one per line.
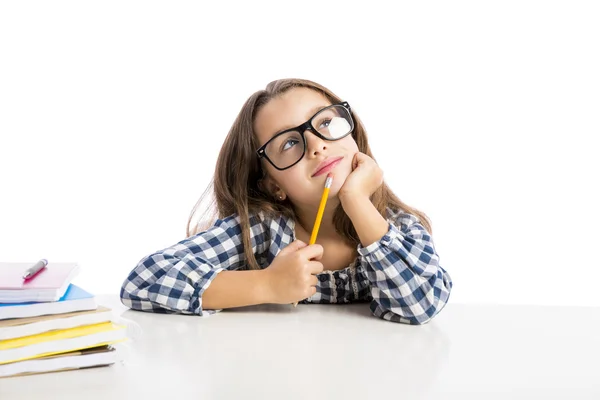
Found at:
<point>49,285</point>
<point>19,327</point>
<point>74,299</point>
<point>92,357</point>
<point>60,341</point>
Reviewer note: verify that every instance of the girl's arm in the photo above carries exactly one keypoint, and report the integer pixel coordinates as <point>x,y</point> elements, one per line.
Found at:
<point>236,289</point>
<point>175,279</point>
<point>407,283</point>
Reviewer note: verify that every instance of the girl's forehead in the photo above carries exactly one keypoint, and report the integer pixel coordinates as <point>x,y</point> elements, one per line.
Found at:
<point>291,109</point>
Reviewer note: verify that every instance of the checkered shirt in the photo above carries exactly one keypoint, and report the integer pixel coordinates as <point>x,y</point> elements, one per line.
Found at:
<point>399,274</point>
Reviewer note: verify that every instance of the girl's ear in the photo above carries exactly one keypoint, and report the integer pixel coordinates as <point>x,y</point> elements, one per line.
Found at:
<point>268,186</point>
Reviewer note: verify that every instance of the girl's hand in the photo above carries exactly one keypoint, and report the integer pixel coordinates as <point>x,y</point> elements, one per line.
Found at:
<point>366,177</point>
<point>291,276</point>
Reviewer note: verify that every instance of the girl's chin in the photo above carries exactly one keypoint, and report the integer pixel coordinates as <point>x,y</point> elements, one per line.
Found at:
<point>334,190</point>
<point>338,182</point>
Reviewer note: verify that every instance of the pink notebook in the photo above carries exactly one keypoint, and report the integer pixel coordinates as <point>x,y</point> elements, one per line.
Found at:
<point>49,285</point>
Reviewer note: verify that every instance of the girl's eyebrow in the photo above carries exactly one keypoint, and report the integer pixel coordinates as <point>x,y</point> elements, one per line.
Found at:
<point>311,113</point>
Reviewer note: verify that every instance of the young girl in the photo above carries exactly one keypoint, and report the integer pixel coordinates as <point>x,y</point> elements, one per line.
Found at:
<point>268,183</point>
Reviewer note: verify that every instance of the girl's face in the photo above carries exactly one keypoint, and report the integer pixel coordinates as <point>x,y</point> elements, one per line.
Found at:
<point>299,182</point>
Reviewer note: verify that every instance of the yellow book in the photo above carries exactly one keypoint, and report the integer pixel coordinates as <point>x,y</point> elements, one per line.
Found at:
<point>92,357</point>
<point>19,327</point>
<point>60,341</point>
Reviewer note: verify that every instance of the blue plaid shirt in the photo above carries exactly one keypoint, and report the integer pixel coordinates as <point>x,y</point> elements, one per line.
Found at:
<point>399,274</point>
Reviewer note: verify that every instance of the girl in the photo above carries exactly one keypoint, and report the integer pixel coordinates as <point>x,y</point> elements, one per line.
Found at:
<point>268,182</point>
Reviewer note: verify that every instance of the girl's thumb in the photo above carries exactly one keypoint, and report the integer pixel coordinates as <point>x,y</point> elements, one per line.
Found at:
<point>295,245</point>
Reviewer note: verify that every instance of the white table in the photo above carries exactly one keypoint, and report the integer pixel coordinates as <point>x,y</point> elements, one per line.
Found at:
<point>342,352</point>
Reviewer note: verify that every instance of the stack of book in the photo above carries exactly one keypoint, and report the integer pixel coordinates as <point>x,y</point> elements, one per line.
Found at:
<point>49,324</point>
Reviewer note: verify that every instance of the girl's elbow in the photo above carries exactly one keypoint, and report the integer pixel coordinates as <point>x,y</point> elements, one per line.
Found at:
<point>128,295</point>
<point>135,288</point>
<point>432,300</point>
<point>412,309</point>
<point>431,308</point>
<point>428,315</point>
<point>407,317</point>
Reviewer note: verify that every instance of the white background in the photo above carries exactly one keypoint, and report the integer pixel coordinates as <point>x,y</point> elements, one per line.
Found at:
<point>485,116</point>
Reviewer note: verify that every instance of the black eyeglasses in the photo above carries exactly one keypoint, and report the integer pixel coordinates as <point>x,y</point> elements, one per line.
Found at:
<point>332,123</point>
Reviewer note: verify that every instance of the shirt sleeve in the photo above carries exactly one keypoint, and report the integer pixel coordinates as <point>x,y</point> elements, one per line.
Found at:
<point>173,280</point>
<point>406,281</point>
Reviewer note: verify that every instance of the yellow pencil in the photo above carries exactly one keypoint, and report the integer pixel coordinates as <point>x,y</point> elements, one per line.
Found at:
<point>315,231</point>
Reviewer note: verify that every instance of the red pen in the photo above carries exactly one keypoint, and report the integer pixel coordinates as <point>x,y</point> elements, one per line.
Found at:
<point>35,269</point>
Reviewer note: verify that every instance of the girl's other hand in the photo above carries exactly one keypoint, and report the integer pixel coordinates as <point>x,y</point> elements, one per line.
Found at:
<point>366,177</point>
<point>291,276</point>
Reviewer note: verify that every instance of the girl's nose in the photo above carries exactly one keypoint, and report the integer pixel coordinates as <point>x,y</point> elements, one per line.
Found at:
<point>314,144</point>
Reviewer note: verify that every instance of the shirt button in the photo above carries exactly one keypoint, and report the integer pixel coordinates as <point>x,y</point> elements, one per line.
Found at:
<point>322,278</point>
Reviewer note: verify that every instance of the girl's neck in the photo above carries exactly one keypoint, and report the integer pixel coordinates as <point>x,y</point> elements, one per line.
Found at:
<point>306,217</point>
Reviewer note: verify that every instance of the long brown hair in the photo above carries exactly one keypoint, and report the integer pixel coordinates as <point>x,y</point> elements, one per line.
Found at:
<point>238,172</point>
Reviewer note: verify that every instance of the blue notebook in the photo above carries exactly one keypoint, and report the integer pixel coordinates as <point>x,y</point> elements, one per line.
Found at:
<point>74,299</point>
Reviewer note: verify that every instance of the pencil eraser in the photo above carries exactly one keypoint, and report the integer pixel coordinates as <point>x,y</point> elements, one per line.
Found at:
<point>328,180</point>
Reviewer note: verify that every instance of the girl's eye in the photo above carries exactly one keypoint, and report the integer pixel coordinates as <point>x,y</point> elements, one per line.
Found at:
<point>288,144</point>
<point>325,123</point>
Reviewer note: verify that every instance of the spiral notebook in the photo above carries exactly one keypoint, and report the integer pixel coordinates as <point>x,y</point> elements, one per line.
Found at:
<point>49,285</point>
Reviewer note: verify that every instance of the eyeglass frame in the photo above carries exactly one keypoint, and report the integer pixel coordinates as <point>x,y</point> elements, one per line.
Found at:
<point>302,128</point>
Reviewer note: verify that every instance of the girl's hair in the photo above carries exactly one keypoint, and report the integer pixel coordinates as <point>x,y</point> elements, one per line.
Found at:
<point>236,184</point>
